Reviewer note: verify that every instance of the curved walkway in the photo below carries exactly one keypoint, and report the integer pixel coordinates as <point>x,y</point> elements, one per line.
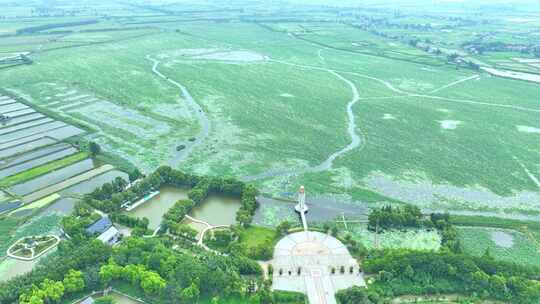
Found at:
<point>206,229</point>
<point>12,254</point>
<point>200,115</point>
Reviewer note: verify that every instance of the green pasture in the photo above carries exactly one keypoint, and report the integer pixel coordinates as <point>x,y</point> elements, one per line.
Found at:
<point>409,239</point>
<point>288,112</point>
<point>476,240</point>
<point>13,229</point>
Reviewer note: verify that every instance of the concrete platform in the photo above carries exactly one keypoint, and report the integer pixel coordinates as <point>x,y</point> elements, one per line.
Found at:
<point>303,262</point>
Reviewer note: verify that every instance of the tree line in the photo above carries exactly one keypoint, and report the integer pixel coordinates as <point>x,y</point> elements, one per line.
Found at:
<point>110,197</point>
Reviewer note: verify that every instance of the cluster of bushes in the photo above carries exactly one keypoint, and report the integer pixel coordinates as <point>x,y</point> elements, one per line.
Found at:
<point>75,224</point>
<point>107,190</point>
<point>289,297</point>
<point>449,234</point>
<point>357,295</point>
<point>249,206</point>
<point>139,225</point>
<point>388,217</point>
<point>70,255</point>
<point>52,291</point>
<point>415,272</point>
<point>149,281</point>
<point>220,239</point>
<point>177,212</point>
<point>110,197</point>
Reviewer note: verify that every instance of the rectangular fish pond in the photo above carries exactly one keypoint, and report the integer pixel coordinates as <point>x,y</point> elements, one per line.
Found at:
<point>216,209</point>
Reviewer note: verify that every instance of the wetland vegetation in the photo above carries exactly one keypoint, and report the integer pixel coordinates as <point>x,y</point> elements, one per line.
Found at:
<point>412,124</point>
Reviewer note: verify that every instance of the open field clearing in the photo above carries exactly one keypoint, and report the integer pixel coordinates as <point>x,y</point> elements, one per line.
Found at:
<point>276,96</point>
<point>509,245</point>
<point>410,239</point>
<point>44,224</point>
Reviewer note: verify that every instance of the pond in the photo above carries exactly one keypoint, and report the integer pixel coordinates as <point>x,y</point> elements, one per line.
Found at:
<point>156,207</point>
<point>217,210</point>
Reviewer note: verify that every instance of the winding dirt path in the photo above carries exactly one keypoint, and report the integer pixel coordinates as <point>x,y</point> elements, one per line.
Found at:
<point>455,83</point>
<point>327,164</point>
<point>199,113</point>
<point>207,228</point>
<point>531,176</point>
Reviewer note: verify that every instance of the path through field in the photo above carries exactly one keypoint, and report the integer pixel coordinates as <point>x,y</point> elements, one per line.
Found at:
<point>201,116</point>
<point>356,139</point>
<point>533,178</point>
<point>455,83</point>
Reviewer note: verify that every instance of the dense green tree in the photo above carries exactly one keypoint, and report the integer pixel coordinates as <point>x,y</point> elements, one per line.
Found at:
<point>353,295</point>
<point>152,282</point>
<point>105,300</point>
<point>283,228</point>
<point>109,272</point>
<point>191,293</point>
<point>94,148</point>
<point>74,281</point>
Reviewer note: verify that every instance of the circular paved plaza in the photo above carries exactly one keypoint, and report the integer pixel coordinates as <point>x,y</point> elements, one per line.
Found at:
<point>316,264</point>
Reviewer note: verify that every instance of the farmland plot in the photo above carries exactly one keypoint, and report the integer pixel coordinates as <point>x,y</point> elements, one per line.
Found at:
<point>66,183</point>
<point>64,132</point>
<point>6,109</point>
<point>21,119</point>
<point>32,131</point>
<point>24,145</point>
<point>91,184</point>
<point>53,177</point>
<point>36,162</point>
<point>440,137</point>
<point>6,101</point>
<point>21,112</point>
<point>133,135</point>
<point>26,125</point>
<point>32,155</point>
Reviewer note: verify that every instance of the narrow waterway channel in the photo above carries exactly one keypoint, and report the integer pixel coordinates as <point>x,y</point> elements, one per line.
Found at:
<point>197,111</point>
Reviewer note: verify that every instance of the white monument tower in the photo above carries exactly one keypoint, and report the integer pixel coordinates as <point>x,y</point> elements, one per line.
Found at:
<point>301,207</point>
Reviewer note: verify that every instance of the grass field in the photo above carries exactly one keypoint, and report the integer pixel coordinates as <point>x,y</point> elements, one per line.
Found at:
<point>530,228</point>
<point>12,230</point>
<point>276,91</point>
<point>410,239</point>
<point>515,246</point>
